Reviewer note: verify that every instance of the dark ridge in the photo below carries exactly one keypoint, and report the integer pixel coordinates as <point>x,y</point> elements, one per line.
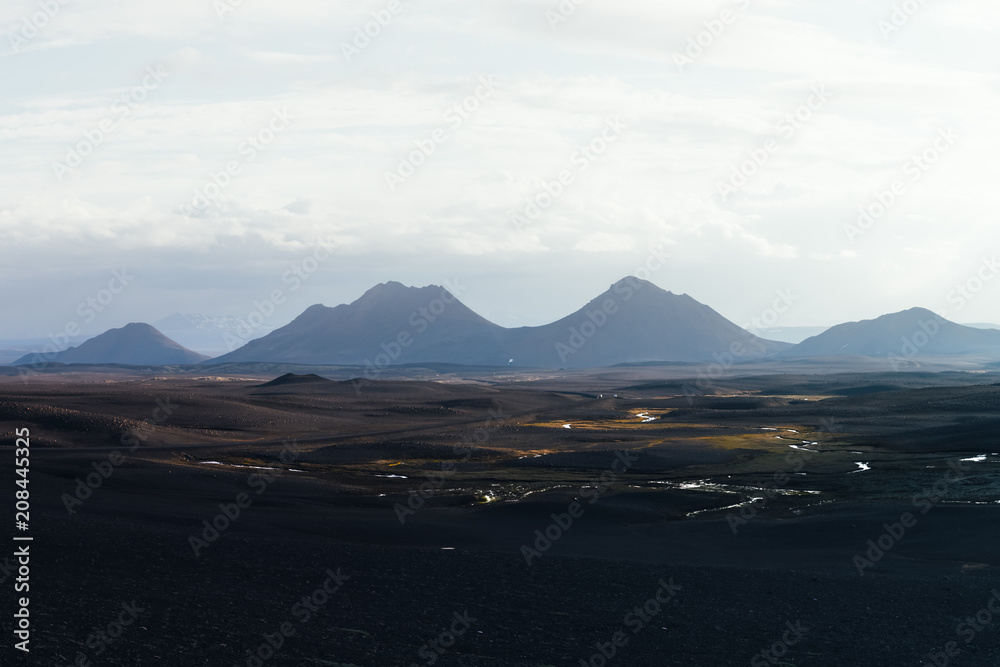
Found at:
<point>871,389</point>
<point>292,378</point>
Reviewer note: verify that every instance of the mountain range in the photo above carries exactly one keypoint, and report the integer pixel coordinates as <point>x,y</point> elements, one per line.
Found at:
<point>632,322</point>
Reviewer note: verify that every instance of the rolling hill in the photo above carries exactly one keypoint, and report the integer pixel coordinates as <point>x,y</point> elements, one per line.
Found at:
<point>134,344</point>
<point>899,335</point>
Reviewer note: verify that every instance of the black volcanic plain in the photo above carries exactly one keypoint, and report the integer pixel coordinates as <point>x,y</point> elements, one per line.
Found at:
<point>343,455</point>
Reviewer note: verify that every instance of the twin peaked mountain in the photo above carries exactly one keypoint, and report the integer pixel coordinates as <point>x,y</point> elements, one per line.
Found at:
<point>634,321</point>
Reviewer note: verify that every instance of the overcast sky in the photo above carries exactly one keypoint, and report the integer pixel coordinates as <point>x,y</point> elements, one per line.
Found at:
<point>114,114</point>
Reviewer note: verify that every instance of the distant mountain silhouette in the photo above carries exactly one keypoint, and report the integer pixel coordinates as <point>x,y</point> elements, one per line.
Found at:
<point>389,324</point>
<point>134,344</point>
<point>636,321</point>
<point>633,321</point>
<point>904,334</point>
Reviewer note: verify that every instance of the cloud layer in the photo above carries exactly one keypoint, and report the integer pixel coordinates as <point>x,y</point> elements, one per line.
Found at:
<point>525,148</point>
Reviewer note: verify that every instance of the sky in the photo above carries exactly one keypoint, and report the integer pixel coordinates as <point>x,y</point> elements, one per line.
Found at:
<point>208,156</point>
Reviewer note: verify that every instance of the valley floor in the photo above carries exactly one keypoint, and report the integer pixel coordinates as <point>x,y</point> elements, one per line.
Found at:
<point>462,524</point>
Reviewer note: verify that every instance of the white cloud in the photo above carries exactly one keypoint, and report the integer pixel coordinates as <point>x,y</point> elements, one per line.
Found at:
<point>279,58</point>
<point>353,122</point>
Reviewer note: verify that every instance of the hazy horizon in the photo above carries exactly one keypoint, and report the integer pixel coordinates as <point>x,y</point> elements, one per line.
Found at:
<point>282,316</point>
<point>252,331</point>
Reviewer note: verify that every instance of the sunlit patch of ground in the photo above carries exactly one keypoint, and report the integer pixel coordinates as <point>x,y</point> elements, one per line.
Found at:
<point>800,397</point>
<point>640,417</point>
<point>974,566</point>
<point>780,440</point>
